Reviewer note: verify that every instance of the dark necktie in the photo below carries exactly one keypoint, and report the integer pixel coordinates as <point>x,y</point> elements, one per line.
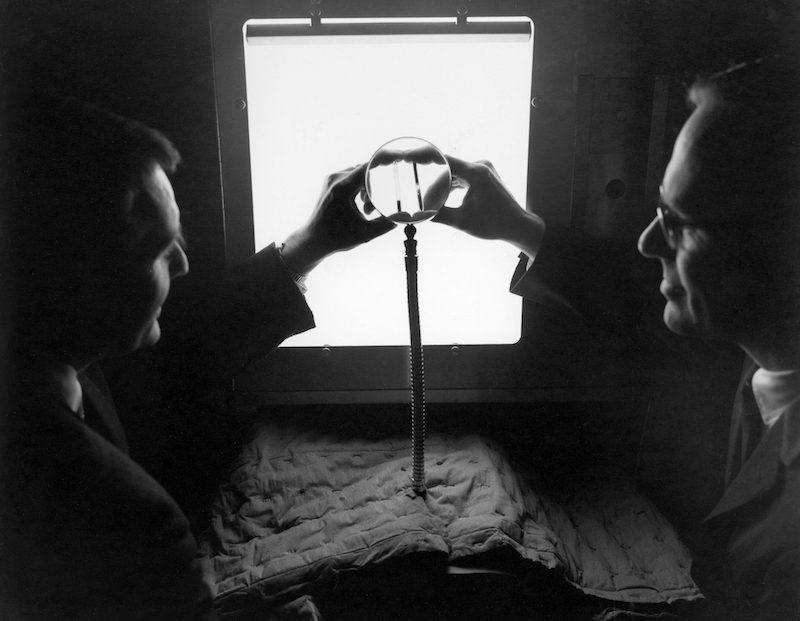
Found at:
<point>747,426</point>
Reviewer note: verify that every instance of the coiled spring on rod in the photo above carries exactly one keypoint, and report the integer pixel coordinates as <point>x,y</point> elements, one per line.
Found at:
<point>417,367</point>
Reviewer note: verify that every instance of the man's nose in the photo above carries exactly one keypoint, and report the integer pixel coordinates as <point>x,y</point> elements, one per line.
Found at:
<point>179,266</point>
<point>652,243</point>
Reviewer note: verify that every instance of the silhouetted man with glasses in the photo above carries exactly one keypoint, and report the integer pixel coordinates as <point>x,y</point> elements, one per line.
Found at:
<point>727,234</point>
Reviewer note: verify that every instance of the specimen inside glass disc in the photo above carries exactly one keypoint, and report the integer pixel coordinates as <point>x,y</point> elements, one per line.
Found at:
<point>407,180</point>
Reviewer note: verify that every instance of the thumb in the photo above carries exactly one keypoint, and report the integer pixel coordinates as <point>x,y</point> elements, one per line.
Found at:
<point>379,226</point>
<point>438,191</point>
<point>449,216</point>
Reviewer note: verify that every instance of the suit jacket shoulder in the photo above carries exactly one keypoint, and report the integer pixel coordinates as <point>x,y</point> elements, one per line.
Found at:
<point>757,525</point>
<point>86,532</point>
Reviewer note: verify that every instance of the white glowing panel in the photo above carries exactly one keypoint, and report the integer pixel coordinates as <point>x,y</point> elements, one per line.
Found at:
<point>320,104</point>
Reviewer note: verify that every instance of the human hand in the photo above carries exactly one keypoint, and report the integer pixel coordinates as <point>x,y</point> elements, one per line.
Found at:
<point>488,210</point>
<point>335,225</point>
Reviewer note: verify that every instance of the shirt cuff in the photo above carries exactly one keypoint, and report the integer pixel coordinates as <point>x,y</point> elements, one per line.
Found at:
<point>298,279</point>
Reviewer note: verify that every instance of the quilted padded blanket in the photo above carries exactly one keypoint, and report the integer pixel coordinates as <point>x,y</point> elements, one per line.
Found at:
<point>301,506</point>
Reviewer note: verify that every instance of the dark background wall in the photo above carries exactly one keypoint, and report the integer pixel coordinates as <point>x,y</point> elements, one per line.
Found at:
<point>152,60</point>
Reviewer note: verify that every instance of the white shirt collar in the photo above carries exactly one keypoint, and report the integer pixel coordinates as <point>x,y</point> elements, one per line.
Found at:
<point>64,383</point>
<point>775,391</point>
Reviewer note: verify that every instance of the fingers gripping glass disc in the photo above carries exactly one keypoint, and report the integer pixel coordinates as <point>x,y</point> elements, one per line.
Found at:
<point>407,180</point>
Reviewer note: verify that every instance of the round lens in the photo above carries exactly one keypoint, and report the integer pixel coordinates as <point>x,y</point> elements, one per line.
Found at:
<point>407,180</point>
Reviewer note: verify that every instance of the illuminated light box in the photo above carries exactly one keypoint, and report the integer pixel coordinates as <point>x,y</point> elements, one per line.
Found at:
<point>297,101</point>
<point>319,103</point>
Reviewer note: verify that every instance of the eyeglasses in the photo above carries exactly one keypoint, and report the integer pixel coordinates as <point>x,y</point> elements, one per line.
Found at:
<point>671,225</point>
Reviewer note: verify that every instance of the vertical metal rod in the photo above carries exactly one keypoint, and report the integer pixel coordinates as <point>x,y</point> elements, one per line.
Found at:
<point>417,367</point>
<point>419,192</point>
<point>397,187</point>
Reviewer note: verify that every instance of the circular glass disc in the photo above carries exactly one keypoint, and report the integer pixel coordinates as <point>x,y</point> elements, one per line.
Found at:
<point>407,180</point>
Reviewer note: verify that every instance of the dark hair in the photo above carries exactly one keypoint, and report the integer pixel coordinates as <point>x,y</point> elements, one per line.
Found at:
<point>71,170</point>
<point>71,166</point>
<point>755,133</point>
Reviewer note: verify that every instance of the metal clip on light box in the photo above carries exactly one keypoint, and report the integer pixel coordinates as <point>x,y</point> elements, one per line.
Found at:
<point>409,172</point>
<point>315,10</point>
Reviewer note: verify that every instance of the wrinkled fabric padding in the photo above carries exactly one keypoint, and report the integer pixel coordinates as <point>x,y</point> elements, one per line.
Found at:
<point>301,506</point>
